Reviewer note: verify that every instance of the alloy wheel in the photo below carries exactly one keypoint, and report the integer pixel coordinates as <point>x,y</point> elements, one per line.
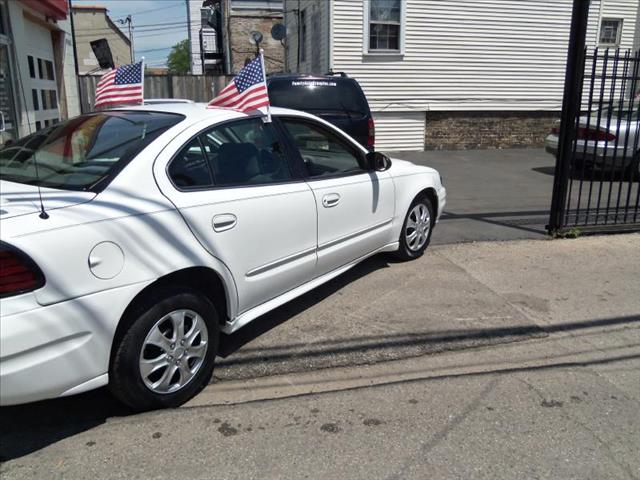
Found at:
<point>173,351</point>
<point>417,227</point>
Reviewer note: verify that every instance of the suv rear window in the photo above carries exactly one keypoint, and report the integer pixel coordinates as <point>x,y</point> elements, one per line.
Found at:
<point>335,96</point>
<point>81,153</point>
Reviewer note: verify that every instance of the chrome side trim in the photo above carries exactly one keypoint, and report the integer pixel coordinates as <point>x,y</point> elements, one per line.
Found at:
<point>280,262</point>
<point>354,235</point>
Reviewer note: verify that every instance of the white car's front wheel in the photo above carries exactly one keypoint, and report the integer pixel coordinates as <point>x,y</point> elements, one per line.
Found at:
<point>416,229</point>
<point>166,356</point>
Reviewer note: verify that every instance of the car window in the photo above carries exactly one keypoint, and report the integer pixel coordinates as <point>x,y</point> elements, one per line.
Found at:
<point>189,169</point>
<point>84,152</point>
<point>246,153</point>
<point>323,152</point>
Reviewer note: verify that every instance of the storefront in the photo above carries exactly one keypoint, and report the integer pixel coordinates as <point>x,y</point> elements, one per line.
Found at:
<point>8,125</point>
<point>36,66</point>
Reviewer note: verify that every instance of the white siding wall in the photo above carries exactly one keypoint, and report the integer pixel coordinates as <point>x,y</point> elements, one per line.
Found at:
<point>317,58</point>
<point>471,55</point>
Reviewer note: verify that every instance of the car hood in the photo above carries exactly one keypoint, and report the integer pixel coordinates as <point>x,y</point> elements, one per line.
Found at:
<point>18,199</point>
<point>404,167</point>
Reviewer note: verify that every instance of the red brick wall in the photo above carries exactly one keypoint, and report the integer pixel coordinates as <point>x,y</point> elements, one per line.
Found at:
<point>241,48</point>
<point>469,130</point>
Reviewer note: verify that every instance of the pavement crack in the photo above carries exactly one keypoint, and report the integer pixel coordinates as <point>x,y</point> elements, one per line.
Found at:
<point>570,418</point>
<point>442,434</point>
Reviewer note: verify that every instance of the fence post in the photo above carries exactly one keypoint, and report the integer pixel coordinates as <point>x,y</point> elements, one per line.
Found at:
<point>571,105</point>
<point>170,85</point>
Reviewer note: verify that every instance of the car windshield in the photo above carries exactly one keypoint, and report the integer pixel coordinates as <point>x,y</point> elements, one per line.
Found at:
<point>311,95</point>
<point>82,152</point>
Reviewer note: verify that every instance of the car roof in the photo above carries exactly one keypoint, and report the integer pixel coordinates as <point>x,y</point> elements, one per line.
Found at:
<point>195,112</point>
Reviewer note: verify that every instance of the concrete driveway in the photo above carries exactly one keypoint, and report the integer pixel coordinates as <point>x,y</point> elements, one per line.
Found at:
<point>491,194</point>
<point>550,389</point>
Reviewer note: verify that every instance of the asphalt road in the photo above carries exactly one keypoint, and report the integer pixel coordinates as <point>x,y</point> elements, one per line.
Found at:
<point>536,375</point>
<point>492,194</point>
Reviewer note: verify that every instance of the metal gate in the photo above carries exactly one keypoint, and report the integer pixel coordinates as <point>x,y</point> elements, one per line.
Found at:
<point>597,177</point>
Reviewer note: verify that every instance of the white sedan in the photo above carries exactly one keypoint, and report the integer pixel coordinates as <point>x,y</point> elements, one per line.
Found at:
<point>157,227</point>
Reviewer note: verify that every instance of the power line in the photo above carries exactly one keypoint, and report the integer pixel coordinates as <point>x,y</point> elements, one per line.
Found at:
<point>181,4</point>
<point>155,49</point>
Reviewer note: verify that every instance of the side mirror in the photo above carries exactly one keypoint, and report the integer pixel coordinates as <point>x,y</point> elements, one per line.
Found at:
<point>378,161</point>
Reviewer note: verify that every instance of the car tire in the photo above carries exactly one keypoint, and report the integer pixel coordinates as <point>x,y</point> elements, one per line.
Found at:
<point>409,248</point>
<point>156,363</point>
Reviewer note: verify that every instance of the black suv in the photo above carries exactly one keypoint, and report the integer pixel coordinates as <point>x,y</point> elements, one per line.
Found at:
<point>336,98</point>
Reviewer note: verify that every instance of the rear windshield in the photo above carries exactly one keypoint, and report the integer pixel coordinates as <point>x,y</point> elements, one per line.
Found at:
<point>81,153</point>
<point>319,96</point>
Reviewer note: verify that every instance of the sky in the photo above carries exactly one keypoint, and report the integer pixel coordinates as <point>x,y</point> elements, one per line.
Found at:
<point>157,25</point>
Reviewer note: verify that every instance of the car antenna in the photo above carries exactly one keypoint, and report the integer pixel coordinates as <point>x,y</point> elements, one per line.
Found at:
<point>43,215</point>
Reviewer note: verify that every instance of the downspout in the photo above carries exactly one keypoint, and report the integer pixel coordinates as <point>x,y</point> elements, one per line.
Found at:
<point>226,33</point>
<point>299,32</point>
<point>330,34</point>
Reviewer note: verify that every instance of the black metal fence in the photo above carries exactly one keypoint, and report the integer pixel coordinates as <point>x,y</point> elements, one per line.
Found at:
<point>597,185</point>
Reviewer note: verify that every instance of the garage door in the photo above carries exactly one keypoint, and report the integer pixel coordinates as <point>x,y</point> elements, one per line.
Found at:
<point>399,130</point>
<point>42,91</point>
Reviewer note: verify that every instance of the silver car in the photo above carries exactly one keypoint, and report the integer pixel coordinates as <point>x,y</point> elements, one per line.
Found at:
<point>609,142</point>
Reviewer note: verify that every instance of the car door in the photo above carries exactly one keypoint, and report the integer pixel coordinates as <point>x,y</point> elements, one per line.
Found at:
<point>355,205</point>
<point>235,187</point>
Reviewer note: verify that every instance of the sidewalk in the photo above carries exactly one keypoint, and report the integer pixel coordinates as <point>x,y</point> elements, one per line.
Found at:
<point>537,376</point>
<point>454,297</point>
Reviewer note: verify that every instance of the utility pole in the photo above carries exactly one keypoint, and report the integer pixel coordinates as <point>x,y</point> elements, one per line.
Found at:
<point>128,22</point>
<point>75,57</point>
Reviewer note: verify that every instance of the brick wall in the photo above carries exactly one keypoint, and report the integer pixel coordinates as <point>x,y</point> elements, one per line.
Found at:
<point>240,26</point>
<point>467,130</point>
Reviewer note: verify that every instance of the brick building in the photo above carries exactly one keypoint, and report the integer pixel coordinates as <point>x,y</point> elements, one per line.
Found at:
<point>91,22</point>
<point>219,34</point>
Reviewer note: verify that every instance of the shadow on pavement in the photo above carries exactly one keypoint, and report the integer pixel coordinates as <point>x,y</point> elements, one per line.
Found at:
<point>232,343</point>
<point>531,221</point>
<point>27,428</point>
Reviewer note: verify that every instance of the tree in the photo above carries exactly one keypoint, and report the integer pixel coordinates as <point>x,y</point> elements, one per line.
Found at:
<point>178,61</point>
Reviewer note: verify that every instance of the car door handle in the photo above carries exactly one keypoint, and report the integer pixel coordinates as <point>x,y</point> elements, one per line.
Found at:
<point>224,221</point>
<point>330,200</point>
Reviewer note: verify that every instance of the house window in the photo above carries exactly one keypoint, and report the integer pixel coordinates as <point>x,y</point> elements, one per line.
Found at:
<point>32,68</point>
<point>385,26</point>
<point>34,97</point>
<point>204,17</point>
<point>610,31</point>
<point>303,36</point>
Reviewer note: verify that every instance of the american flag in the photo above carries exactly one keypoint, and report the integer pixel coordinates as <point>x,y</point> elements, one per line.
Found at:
<point>119,86</point>
<point>247,91</point>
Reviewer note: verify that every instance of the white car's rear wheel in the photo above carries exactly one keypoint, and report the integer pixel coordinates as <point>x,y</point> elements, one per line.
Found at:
<point>167,354</point>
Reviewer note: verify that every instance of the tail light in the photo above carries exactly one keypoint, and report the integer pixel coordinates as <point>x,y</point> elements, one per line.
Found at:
<point>18,273</point>
<point>589,134</point>
<point>594,134</point>
<point>371,134</point>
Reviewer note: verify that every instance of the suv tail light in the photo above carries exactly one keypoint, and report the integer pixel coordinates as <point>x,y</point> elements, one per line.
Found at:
<point>371,135</point>
<point>18,273</point>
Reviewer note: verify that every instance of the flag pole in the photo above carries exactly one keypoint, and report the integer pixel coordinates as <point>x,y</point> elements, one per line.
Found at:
<point>264,79</point>
<point>142,77</point>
